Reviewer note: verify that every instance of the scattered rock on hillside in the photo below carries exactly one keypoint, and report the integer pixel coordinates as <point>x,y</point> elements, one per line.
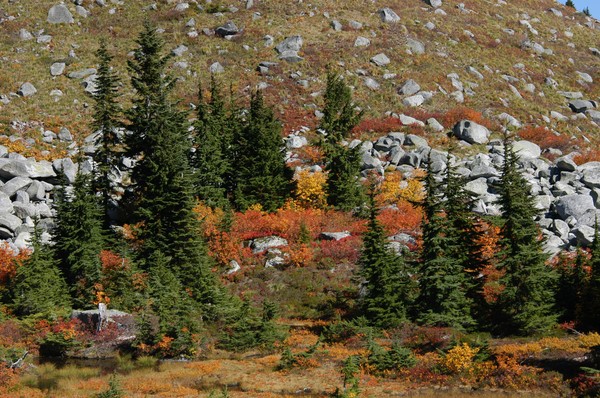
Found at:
<point>580,106</point>
<point>415,46</point>
<point>334,235</point>
<point>380,59</point>
<point>409,87</point>
<point>27,90</point>
<point>57,68</point>
<point>288,49</point>
<point>471,132</point>
<point>60,14</point>
<point>216,68</point>
<point>388,15</point>
<point>527,149</point>
<point>434,3</point>
<point>574,205</point>
<point>268,242</point>
<point>228,29</point>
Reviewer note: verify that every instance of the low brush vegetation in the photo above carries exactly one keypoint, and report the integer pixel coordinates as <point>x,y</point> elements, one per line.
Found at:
<point>245,268</point>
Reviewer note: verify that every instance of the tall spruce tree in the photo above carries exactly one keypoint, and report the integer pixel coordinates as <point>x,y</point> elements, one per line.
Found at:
<point>262,175</point>
<point>526,305</point>
<point>388,286</point>
<point>162,176</point>
<point>106,122</point>
<point>78,238</point>
<point>38,286</point>
<point>341,162</point>
<point>589,313</point>
<point>211,143</point>
<point>443,283</point>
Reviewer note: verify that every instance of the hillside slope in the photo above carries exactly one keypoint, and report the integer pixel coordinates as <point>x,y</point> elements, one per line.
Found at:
<point>492,56</point>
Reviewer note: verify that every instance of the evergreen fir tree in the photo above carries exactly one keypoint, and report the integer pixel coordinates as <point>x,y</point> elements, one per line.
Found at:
<point>78,238</point>
<point>572,282</point>
<point>526,304</point>
<point>211,143</point>
<point>38,287</point>
<point>443,282</point>
<point>570,3</point>
<point>162,176</point>
<point>106,123</point>
<point>341,162</point>
<point>262,175</point>
<point>589,314</point>
<point>388,287</point>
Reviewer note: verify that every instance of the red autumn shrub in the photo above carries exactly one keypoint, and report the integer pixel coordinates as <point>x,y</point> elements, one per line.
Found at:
<point>545,138</point>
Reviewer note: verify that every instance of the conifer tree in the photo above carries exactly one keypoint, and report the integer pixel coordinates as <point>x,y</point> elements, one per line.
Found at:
<point>106,122</point>
<point>211,143</point>
<point>262,175</point>
<point>589,314</point>
<point>526,304</point>
<point>443,282</point>
<point>38,287</point>
<point>388,287</point>
<point>572,283</point>
<point>342,162</point>
<point>570,3</point>
<point>162,176</point>
<point>78,238</point>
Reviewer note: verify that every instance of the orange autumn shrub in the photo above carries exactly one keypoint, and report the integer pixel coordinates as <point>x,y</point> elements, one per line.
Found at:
<point>455,115</point>
<point>379,126</point>
<point>460,359</point>
<point>589,155</point>
<point>10,261</point>
<point>545,138</point>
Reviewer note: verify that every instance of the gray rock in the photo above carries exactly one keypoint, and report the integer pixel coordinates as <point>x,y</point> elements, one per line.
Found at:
<point>594,115</point>
<point>60,14</point>
<point>22,241</point>
<point>355,25</point>
<point>434,3</point>
<point>268,242</point>
<point>336,25</point>
<point>43,210</point>
<point>409,87</point>
<point>6,205</point>
<point>414,100</point>
<point>380,59</point>
<point>24,210</point>
<point>415,140</point>
<point>25,35</point>
<point>584,235</point>
<point>584,78</point>
<point>15,184</point>
<point>26,168</point>
<point>228,29</point>
<point>388,15</point>
<point>290,56</point>
<point>10,222</point>
<point>216,68</point>
<point>362,42</point>
<point>410,121</point>
<point>296,141</point>
<point>589,218</point>
<point>580,106</point>
<point>179,50</point>
<point>82,12</point>
<point>415,46</point>
<point>82,74</point>
<point>478,186</point>
<point>527,149</point>
<point>335,236</point>
<point>36,191</point>
<point>65,135</point>
<point>292,43</point>
<point>574,205</point>
<point>435,125</point>
<point>67,167</point>
<point>510,120</point>
<point>27,90</point>
<point>471,132</point>
<point>566,163</point>
<point>553,245</point>
<point>371,83</point>
<point>57,68</point>
<point>591,178</point>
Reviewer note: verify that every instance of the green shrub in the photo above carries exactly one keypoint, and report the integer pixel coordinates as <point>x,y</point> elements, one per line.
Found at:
<point>344,330</point>
<point>114,390</point>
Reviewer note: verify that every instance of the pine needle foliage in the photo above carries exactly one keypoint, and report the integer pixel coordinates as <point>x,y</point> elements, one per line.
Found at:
<point>526,304</point>
<point>106,123</point>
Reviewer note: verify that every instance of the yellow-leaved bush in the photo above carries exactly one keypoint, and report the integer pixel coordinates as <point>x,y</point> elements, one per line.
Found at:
<point>311,189</point>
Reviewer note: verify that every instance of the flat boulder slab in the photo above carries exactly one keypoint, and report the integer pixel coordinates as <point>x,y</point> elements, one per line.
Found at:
<point>527,149</point>
<point>10,222</point>
<point>434,3</point>
<point>60,14</point>
<point>575,205</point>
<point>581,106</point>
<point>14,185</point>
<point>27,168</point>
<point>471,132</point>
<point>228,29</point>
<point>409,87</point>
<point>259,245</point>
<point>334,235</point>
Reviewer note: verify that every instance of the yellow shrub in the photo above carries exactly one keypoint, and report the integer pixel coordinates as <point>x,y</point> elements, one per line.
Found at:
<point>310,189</point>
<point>589,340</point>
<point>460,358</point>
